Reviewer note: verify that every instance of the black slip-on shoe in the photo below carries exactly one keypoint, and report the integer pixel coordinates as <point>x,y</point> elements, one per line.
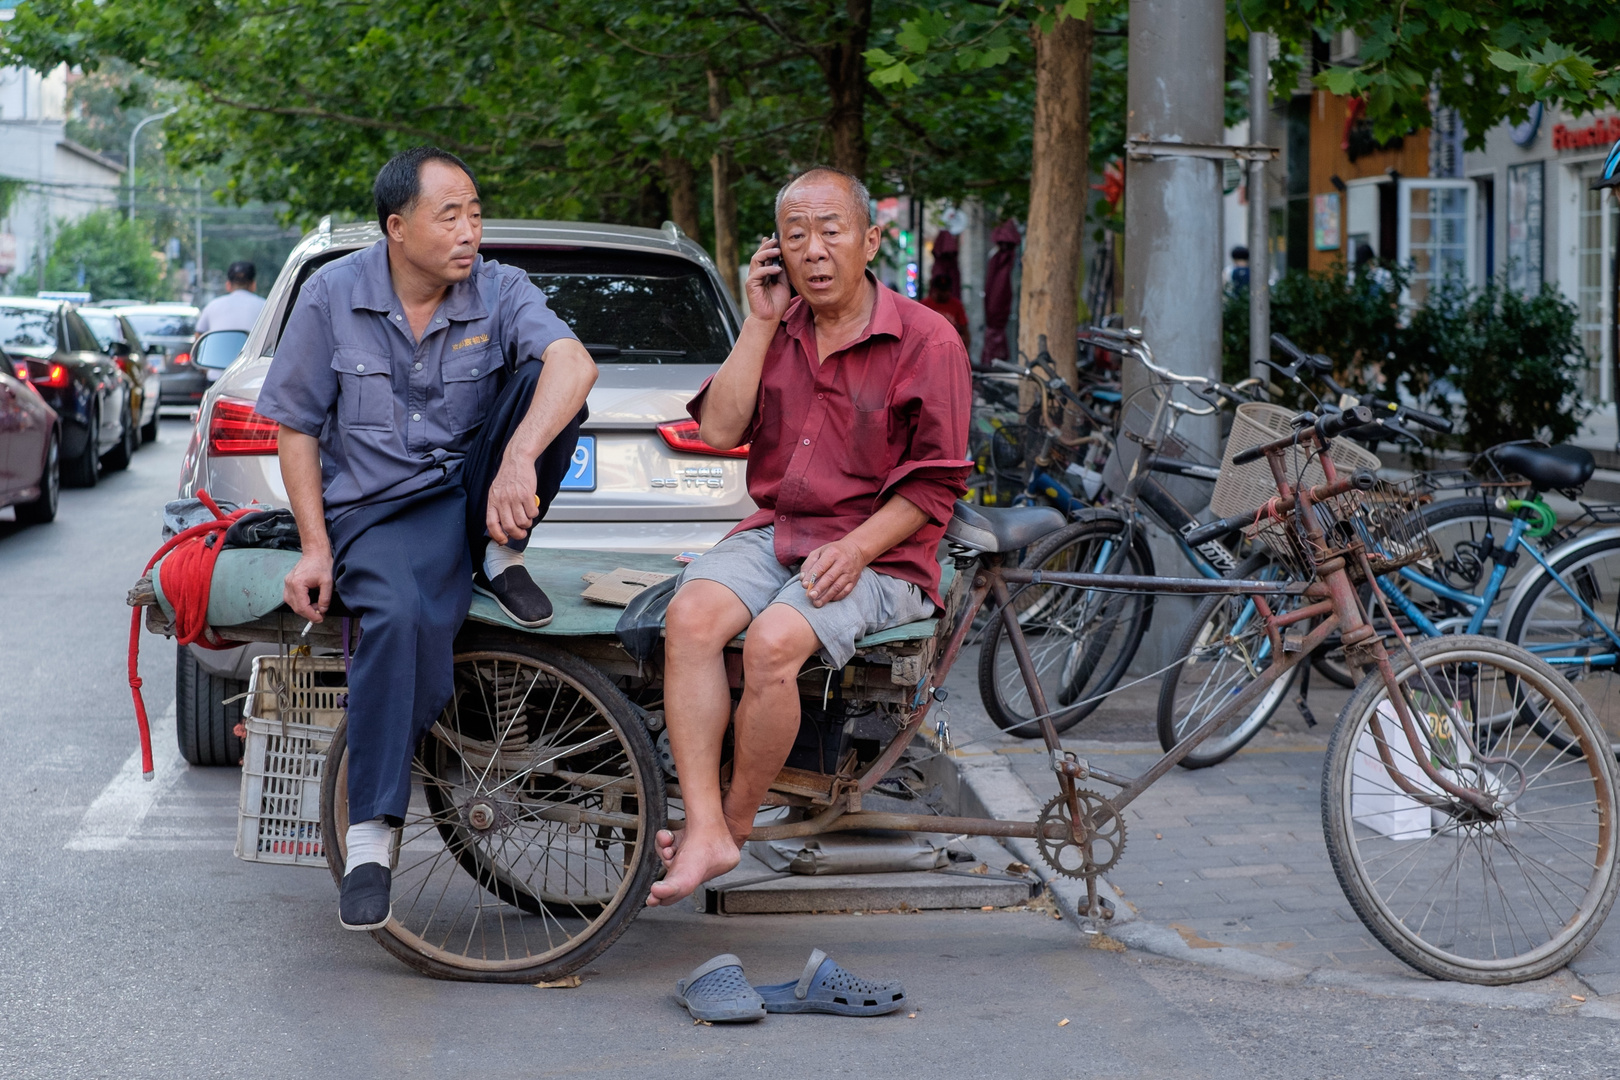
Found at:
<point>524,602</point>
<point>363,902</point>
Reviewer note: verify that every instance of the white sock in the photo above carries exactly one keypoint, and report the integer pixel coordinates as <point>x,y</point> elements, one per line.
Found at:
<point>367,841</point>
<point>498,559</point>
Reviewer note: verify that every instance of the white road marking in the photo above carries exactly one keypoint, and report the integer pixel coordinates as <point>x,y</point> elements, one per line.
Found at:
<point>126,800</point>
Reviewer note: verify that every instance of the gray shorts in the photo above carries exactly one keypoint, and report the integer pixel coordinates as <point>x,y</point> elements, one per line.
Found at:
<point>746,564</point>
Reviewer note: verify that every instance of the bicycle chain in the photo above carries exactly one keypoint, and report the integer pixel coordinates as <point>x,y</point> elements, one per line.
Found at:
<point>1105,828</point>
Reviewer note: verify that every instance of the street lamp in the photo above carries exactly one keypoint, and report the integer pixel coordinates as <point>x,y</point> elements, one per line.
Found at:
<point>132,137</point>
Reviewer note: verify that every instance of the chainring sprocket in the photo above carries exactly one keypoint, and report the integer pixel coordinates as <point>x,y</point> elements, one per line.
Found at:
<point>1105,835</point>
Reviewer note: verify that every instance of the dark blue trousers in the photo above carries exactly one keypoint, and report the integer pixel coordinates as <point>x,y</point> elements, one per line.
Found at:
<point>404,567</point>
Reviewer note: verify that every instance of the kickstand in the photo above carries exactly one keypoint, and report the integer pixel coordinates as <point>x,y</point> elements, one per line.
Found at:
<point>1305,688</point>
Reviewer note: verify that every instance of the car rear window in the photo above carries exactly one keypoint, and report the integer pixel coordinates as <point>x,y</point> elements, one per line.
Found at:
<point>104,326</point>
<point>630,308</point>
<point>27,328</point>
<point>164,324</point>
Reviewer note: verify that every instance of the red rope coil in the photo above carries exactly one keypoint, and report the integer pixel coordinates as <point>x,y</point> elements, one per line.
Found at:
<point>188,575</point>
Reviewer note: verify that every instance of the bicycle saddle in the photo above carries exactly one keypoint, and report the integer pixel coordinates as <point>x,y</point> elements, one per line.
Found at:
<point>1547,467</point>
<point>988,528</point>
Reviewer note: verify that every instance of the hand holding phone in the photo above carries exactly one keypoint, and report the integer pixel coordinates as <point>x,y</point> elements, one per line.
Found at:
<point>768,291</point>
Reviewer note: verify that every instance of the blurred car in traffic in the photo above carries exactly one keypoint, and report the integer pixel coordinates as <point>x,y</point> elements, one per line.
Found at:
<point>168,331</point>
<point>50,345</point>
<point>648,305</point>
<point>30,448</point>
<point>119,340</point>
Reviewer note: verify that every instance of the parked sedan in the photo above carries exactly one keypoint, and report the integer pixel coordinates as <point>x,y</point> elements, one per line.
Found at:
<point>119,340</point>
<point>89,392</point>
<point>648,305</point>
<point>168,330</point>
<point>30,447</point>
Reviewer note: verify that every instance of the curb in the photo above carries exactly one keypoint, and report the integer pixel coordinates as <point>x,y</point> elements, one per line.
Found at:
<point>987,786</point>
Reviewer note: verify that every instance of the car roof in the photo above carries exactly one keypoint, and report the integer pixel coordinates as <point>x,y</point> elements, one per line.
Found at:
<point>155,309</point>
<point>31,302</point>
<point>501,231</point>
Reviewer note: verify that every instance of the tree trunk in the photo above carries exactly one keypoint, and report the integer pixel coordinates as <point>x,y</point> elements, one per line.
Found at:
<point>845,70</point>
<point>681,183</point>
<point>724,173</point>
<point>1058,192</point>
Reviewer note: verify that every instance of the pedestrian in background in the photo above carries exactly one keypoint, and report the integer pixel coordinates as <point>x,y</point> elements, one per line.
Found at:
<point>240,305</point>
<point>1237,274</point>
<point>939,299</point>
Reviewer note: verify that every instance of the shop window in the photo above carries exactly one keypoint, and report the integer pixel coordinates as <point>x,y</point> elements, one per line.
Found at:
<point>1524,226</point>
<point>1435,239</point>
<point>1594,266</point>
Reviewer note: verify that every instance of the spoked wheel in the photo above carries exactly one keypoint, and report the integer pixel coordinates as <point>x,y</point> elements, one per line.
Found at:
<point>527,849</point>
<point>1456,892</point>
<point>1224,650</point>
<point>1080,640</point>
<point>1571,628</point>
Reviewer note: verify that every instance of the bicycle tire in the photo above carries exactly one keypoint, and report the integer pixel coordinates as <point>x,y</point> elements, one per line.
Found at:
<point>1069,631</point>
<point>535,889</point>
<point>1458,526</point>
<point>1546,617</point>
<point>1451,893</point>
<point>1217,664</point>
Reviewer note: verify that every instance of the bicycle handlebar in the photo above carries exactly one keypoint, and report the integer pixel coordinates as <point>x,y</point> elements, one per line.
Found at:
<point>1326,427</point>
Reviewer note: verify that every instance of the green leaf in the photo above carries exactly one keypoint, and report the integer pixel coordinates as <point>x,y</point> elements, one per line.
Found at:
<point>1077,9</point>
<point>1340,81</point>
<point>911,38</point>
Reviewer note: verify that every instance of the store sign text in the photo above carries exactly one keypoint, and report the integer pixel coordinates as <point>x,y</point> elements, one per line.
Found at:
<point>1594,137</point>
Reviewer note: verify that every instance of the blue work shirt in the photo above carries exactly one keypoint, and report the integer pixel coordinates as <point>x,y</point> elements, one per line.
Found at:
<point>391,413</point>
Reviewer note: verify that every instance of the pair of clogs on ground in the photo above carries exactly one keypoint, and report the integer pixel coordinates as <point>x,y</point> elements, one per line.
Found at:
<point>717,991</point>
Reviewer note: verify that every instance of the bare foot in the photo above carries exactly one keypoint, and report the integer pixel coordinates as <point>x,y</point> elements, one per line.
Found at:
<point>691,860</point>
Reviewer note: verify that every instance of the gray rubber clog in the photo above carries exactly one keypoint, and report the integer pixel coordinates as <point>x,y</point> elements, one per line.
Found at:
<point>718,991</point>
<point>827,988</point>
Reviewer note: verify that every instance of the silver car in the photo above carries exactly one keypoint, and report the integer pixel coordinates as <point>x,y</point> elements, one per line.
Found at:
<point>651,309</point>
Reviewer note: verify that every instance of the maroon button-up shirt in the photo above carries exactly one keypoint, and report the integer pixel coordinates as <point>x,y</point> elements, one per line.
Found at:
<point>831,442</point>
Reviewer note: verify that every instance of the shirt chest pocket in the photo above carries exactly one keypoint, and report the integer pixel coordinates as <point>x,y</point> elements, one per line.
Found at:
<point>365,389</point>
<point>470,386</point>
<point>867,454</point>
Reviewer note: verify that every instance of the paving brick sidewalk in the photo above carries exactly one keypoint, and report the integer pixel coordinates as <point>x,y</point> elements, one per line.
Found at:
<point>1231,855</point>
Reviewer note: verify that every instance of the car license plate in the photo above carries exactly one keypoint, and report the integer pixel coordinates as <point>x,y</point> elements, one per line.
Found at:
<point>581,474</point>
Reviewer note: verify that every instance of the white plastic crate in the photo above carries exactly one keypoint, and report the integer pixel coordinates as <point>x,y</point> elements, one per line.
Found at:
<point>290,717</point>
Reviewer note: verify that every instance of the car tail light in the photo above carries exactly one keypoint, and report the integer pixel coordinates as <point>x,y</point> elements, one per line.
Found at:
<point>20,369</point>
<point>234,429</point>
<point>182,358</point>
<point>56,377</point>
<point>682,435</point>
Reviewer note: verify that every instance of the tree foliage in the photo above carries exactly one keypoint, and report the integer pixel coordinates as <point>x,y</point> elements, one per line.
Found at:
<point>566,109</point>
<point>1489,59</point>
<point>103,254</point>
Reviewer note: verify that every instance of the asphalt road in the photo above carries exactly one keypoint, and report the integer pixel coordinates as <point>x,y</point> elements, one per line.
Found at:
<point>159,955</point>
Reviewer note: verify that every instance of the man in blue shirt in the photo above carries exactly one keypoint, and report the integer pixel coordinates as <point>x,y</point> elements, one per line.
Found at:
<point>429,402</point>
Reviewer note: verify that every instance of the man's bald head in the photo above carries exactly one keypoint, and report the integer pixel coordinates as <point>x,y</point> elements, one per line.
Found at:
<point>860,199</point>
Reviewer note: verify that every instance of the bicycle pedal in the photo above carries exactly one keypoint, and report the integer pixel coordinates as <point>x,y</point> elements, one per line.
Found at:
<point>1292,641</point>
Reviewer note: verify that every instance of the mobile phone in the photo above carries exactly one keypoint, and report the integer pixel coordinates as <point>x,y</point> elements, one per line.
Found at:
<point>778,260</point>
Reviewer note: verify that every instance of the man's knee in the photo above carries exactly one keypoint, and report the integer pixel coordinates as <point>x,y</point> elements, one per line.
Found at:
<point>700,618</point>
<point>778,644</point>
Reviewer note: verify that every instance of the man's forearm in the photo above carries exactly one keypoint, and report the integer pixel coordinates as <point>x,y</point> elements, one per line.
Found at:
<point>895,522</point>
<point>728,408</point>
<point>565,381</point>
<point>300,457</point>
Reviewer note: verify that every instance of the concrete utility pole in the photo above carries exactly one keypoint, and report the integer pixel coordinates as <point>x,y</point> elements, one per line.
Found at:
<point>1173,130</point>
<point>1259,206</point>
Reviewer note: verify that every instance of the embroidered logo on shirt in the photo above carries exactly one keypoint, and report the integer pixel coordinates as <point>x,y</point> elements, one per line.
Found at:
<point>478,339</point>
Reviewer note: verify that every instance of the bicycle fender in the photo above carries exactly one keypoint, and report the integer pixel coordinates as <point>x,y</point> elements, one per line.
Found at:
<point>1539,575</point>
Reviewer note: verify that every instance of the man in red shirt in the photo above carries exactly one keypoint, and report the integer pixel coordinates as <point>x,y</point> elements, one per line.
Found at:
<point>855,402</point>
